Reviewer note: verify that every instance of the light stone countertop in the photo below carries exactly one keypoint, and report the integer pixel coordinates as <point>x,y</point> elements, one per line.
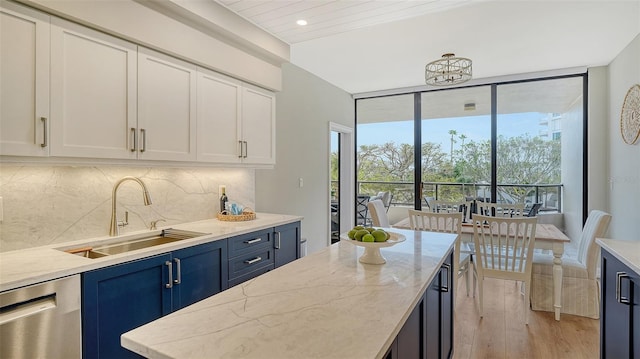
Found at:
<point>34,265</point>
<point>325,305</point>
<point>628,252</point>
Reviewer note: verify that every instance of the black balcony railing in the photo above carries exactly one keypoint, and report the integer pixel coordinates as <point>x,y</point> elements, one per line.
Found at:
<point>549,195</point>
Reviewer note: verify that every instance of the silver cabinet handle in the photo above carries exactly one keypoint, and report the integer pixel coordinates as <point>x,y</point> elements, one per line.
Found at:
<point>45,138</point>
<point>134,139</point>
<point>246,149</point>
<point>178,272</point>
<point>444,288</point>
<point>277,244</point>
<point>143,134</point>
<point>254,260</point>
<point>240,148</point>
<point>621,299</point>
<point>253,241</point>
<point>170,265</point>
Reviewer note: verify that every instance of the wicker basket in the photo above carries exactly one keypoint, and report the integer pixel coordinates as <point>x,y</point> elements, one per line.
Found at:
<point>247,215</point>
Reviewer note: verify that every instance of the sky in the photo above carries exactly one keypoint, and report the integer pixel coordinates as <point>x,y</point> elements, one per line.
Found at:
<point>476,128</point>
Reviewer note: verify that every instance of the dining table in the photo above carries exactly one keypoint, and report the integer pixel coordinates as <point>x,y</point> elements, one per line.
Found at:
<point>548,237</point>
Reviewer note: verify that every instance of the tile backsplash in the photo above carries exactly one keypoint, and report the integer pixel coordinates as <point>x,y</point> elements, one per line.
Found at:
<point>55,204</point>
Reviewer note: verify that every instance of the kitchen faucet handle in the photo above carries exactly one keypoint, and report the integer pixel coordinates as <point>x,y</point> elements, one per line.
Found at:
<point>153,224</point>
<point>126,220</point>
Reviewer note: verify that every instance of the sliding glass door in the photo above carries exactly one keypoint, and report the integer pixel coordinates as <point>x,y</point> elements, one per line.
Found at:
<point>516,142</point>
<point>540,146</point>
<point>385,153</point>
<point>456,144</point>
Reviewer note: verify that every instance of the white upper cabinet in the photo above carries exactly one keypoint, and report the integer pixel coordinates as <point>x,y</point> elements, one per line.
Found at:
<point>219,126</point>
<point>258,125</point>
<point>24,81</point>
<point>70,91</point>
<point>93,92</point>
<point>166,107</point>
<point>236,121</point>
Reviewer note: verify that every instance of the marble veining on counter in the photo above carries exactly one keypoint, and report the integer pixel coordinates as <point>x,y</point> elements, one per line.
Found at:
<point>325,305</point>
<point>34,265</point>
<point>628,252</point>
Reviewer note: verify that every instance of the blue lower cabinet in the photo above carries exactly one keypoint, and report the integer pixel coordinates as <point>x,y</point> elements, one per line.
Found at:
<point>286,243</point>
<point>200,272</point>
<point>619,309</point>
<point>119,298</point>
<point>428,331</point>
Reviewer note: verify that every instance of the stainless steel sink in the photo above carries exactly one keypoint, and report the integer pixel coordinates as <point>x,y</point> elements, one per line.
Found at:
<point>135,242</point>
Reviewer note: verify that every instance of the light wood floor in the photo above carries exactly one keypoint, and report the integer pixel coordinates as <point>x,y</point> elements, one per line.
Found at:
<point>501,333</point>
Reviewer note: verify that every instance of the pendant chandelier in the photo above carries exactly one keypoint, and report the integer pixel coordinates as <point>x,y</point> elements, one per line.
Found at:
<point>447,71</point>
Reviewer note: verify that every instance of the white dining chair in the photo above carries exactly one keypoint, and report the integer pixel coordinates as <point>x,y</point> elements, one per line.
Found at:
<point>501,209</point>
<point>378,213</point>
<point>504,250</point>
<point>464,207</point>
<point>448,223</point>
<point>580,287</point>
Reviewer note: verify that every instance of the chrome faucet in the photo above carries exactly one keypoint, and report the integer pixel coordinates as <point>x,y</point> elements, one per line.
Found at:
<point>114,230</point>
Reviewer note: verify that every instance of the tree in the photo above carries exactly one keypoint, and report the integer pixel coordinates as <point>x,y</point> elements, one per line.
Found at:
<point>522,160</point>
<point>452,133</point>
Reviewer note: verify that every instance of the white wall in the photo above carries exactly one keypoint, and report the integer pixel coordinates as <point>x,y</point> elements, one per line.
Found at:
<point>572,148</point>
<point>304,109</point>
<point>623,159</point>
<point>55,204</point>
<point>598,139</point>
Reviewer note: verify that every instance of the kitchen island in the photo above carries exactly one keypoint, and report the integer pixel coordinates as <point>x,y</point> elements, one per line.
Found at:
<point>325,305</point>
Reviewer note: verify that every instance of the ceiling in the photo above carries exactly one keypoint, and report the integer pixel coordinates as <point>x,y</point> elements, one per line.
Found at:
<point>329,17</point>
<point>372,45</point>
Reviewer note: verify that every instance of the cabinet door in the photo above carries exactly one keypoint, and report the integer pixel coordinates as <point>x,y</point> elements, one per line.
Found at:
<point>620,314</point>
<point>258,125</point>
<point>432,319</point>
<point>410,338</point>
<point>219,123</point>
<point>119,298</point>
<point>287,243</point>
<point>166,107</point>
<point>635,319</point>
<point>199,272</point>
<point>446,308</point>
<point>24,81</point>
<point>93,92</point>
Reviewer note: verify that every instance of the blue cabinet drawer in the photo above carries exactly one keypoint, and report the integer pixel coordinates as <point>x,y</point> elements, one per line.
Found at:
<point>241,265</point>
<point>250,242</point>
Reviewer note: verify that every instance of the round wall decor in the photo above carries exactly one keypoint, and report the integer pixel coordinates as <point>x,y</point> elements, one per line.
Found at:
<point>630,116</point>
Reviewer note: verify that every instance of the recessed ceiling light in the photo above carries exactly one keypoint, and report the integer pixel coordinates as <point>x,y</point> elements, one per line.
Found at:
<point>301,22</point>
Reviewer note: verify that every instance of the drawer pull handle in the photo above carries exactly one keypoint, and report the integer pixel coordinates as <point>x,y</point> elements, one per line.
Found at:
<point>621,299</point>
<point>45,141</point>
<point>254,260</point>
<point>253,241</point>
<point>277,244</point>
<point>170,265</point>
<point>134,139</point>
<point>143,134</point>
<point>178,280</point>
<point>445,288</point>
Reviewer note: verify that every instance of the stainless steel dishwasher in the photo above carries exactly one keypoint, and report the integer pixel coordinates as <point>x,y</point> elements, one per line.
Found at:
<point>42,320</point>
